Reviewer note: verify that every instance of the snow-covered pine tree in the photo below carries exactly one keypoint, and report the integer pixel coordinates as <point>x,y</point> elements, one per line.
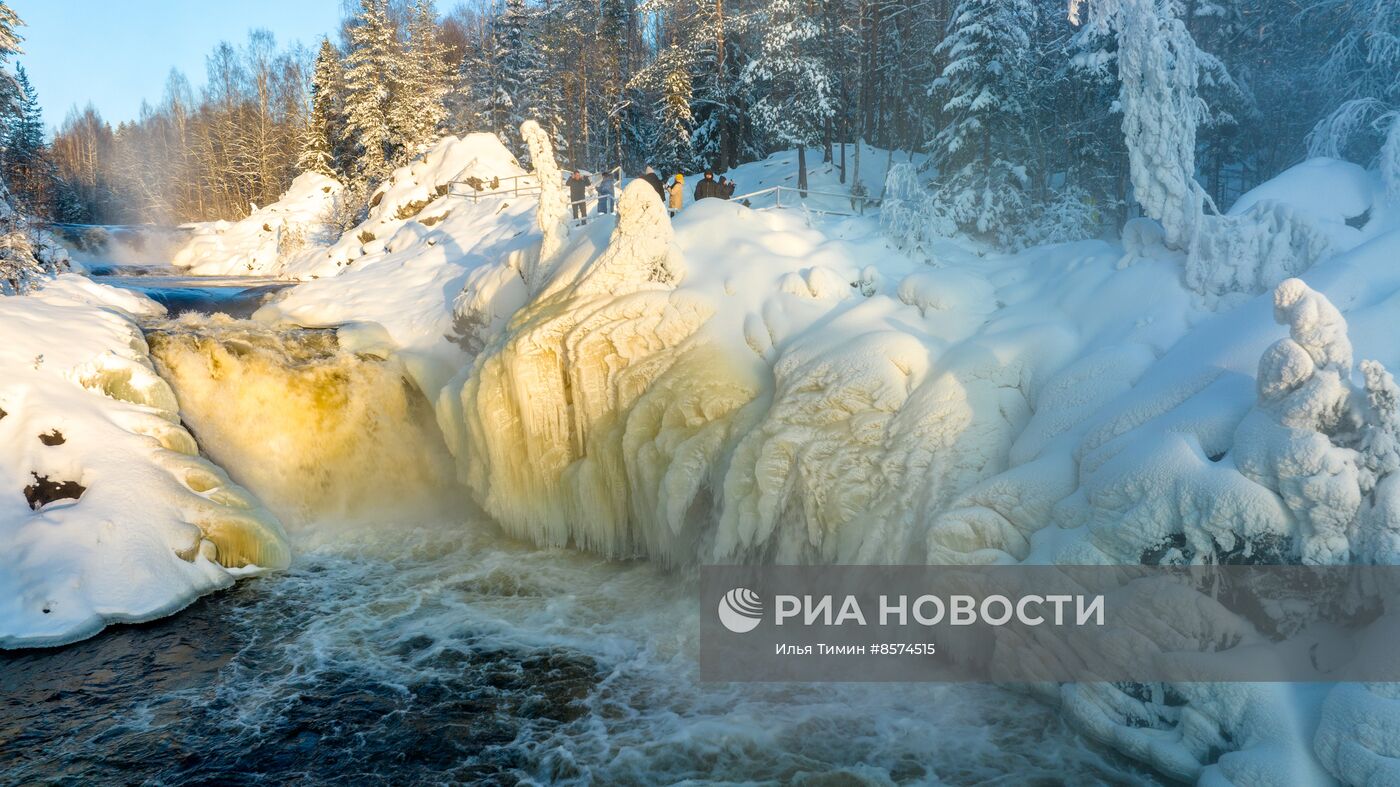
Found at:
<point>27,165</point>
<point>1229,106</point>
<point>317,147</point>
<point>716,65</point>
<point>788,75</point>
<point>26,253</point>
<point>418,109</point>
<point>371,80</point>
<point>1158,77</point>
<point>616,27</point>
<point>981,147</point>
<point>671,149</point>
<point>518,70</point>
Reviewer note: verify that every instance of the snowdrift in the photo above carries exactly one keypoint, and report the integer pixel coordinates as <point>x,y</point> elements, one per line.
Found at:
<point>260,244</point>
<point>109,513</point>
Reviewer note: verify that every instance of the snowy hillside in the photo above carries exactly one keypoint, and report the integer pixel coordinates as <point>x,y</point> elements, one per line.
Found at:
<point>292,237</point>
<point>110,514</point>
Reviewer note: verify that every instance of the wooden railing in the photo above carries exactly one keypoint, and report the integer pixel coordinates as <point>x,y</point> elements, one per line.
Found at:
<point>476,189</point>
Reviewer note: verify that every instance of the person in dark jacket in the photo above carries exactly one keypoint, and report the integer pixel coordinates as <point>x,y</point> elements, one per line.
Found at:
<point>578,195</point>
<point>708,188</point>
<point>605,194</point>
<point>651,177</point>
<point>723,187</point>
<point>729,189</point>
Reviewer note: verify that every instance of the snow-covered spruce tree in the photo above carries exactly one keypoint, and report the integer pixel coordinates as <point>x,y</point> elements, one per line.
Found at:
<point>28,168</point>
<point>1229,105</point>
<point>981,185</point>
<point>317,147</point>
<point>1158,74</point>
<point>671,150</point>
<point>9,46</point>
<point>424,82</point>
<point>519,69</point>
<point>371,81</point>
<point>788,75</point>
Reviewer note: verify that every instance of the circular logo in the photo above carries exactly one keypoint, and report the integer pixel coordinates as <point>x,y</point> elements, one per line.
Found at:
<point>740,610</point>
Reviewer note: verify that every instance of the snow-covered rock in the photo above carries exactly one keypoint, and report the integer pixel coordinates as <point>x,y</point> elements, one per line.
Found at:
<point>108,513</point>
<point>415,198</point>
<point>263,242</point>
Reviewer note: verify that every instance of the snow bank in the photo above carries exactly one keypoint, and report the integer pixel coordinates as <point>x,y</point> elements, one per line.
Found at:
<point>262,243</point>
<point>109,513</point>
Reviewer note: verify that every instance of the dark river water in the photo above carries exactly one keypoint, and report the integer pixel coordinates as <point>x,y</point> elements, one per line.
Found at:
<point>414,650</point>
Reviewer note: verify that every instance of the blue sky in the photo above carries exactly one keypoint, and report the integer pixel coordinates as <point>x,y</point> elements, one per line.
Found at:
<point>117,52</point>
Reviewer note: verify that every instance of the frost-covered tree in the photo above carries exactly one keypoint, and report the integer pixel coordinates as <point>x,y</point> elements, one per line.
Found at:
<point>1362,69</point>
<point>28,167</point>
<point>26,254</point>
<point>318,147</point>
<point>10,40</point>
<point>788,74</point>
<point>371,82</point>
<point>672,149</point>
<point>1158,76</point>
<point>424,81</point>
<point>518,70</point>
<point>979,152</point>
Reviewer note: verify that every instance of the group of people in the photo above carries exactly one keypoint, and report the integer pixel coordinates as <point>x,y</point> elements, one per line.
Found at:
<point>672,194</point>
<point>578,194</point>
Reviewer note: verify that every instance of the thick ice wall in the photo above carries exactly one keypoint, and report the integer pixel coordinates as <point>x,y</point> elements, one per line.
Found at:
<point>548,406</point>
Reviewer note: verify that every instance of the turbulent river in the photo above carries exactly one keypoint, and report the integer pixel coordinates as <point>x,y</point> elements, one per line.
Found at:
<point>413,643</point>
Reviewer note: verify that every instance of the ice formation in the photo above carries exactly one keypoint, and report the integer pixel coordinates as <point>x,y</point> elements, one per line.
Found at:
<point>409,204</point>
<point>553,207</point>
<point>600,333</point>
<point>146,525</point>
